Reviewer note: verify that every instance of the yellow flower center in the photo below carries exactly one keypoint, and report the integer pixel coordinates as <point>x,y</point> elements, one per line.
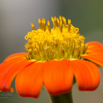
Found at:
<point>61,41</point>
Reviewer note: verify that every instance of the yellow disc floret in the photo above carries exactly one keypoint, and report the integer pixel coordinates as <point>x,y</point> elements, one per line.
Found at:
<point>61,41</point>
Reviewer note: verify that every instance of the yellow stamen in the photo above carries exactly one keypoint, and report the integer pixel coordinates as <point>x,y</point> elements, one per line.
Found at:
<point>32,25</point>
<point>49,28</point>
<point>40,25</point>
<point>55,21</point>
<point>43,24</point>
<point>61,26</point>
<point>60,18</point>
<point>69,24</point>
<point>61,41</point>
<point>64,21</point>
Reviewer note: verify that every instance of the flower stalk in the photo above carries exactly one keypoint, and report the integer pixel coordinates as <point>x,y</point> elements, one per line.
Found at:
<point>62,98</point>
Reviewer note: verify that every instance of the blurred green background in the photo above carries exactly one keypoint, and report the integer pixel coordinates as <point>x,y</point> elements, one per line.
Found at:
<point>15,19</point>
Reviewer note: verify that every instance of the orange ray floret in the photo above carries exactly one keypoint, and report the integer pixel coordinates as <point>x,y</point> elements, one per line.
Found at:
<point>87,74</point>
<point>12,72</point>
<point>58,76</point>
<point>94,53</point>
<point>9,68</point>
<point>29,80</point>
<point>94,44</point>
<point>15,56</point>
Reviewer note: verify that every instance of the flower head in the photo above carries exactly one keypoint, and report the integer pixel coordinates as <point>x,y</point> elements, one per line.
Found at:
<point>54,57</point>
<point>61,41</point>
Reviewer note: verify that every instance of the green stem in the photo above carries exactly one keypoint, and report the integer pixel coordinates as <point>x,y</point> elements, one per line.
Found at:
<point>62,98</point>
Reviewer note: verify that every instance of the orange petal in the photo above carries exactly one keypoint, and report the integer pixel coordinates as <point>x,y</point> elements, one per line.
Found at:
<point>98,59</point>
<point>95,52</point>
<point>94,44</point>
<point>29,80</point>
<point>87,74</point>
<point>94,71</point>
<point>5,66</point>
<point>58,76</point>
<point>11,73</point>
<point>94,47</point>
<point>15,56</point>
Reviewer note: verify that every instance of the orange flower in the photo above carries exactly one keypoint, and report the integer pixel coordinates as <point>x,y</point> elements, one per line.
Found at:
<point>54,57</point>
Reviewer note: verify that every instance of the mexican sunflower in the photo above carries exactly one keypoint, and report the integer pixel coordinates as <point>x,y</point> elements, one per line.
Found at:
<point>54,57</point>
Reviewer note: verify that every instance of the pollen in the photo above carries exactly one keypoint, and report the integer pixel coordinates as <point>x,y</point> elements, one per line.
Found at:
<point>61,41</point>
